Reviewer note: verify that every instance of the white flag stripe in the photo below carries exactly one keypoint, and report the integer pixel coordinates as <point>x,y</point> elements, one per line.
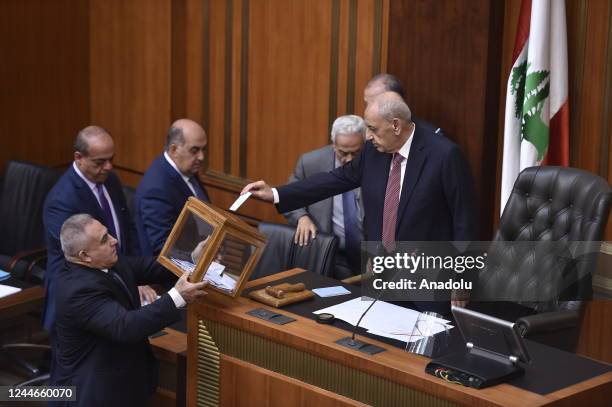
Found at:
<point>527,137</point>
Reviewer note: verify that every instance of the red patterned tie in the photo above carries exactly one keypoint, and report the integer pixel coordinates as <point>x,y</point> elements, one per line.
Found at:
<point>392,199</point>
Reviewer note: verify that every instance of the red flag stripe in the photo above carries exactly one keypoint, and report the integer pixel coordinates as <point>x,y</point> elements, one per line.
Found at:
<point>558,142</point>
<point>522,30</point>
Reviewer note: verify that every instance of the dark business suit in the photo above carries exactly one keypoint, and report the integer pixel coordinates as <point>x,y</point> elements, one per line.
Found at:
<point>158,201</point>
<point>69,196</point>
<point>102,332</point>
<point>310,163</point>
<point>437,198</point>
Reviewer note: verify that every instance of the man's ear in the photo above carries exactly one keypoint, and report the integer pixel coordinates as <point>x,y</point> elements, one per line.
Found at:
<point>397,126</point>
<point>172,149</point>
<point>77,156</point>
<point>84,257</point>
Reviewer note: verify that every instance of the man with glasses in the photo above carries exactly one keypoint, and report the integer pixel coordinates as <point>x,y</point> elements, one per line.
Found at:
<point>342,214</point>
<point>170,180</point>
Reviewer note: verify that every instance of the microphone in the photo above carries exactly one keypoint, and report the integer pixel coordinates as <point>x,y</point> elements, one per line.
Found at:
<point>351,342</point>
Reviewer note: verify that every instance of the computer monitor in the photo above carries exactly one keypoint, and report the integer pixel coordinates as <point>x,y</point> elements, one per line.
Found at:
<point>490,334</point>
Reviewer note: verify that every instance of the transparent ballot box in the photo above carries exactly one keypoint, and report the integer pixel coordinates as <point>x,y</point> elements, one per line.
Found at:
<point>212,245</point>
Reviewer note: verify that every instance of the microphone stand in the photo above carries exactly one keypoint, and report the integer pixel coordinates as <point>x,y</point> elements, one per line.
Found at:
<point>350,341</point>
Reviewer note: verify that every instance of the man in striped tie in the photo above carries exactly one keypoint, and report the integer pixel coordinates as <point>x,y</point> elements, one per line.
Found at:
<point>416,185</point>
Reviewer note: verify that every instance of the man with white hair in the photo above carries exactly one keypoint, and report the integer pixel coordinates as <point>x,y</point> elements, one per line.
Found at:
<point>102,332</point>
<point>415,185</point>
<point>341,215</point>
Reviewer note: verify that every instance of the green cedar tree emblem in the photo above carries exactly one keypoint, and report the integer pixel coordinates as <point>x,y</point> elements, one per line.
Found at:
<point>531,90</point>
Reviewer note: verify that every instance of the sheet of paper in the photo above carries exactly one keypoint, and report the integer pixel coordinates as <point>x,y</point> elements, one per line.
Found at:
<point>238,203</point>
<point>384,319</point>
<point>4,275</point>
<point>330,291</point>
<point>6,290</point>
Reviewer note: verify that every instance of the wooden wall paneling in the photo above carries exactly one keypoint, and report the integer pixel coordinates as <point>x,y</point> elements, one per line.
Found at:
<point>130,45</point>
<point>44,82</point>
<point>440,51</point>
<point>339,59</point>
<point>240,29</point>
<point>589,131</point>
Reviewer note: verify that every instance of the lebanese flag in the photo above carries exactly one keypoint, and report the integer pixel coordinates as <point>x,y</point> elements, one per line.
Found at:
<point>536,129</point>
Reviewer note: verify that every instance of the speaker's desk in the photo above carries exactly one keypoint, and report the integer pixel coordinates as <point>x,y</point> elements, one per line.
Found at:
<point>238,360</point>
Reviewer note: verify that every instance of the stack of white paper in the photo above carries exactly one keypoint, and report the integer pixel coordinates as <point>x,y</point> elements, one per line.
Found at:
<point>6,290</point>
<point>216,277</point>
<point>183,264</point>
<point>384,319</point>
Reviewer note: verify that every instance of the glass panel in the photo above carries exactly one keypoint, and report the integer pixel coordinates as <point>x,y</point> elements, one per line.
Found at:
<point>229,263</point>
<point>190,243</point>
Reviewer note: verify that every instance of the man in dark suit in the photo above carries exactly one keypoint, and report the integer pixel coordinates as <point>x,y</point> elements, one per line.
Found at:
<point>416,185</point>
<point>170,180</point>
<point>88,186</point>
<point>385,82</point>
<point>102,332</point>
<point>341,215</point>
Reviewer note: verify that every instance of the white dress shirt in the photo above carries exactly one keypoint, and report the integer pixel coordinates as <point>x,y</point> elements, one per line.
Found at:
<point>185,178</point>
<point>92,186</point>
<point>404,151</point>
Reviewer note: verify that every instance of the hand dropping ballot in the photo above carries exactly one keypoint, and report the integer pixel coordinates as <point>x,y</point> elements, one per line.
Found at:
<point>238,203</point>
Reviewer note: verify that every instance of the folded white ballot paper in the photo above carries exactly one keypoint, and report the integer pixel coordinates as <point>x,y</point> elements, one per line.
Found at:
<point>238,202</point>
<point>6,290</point>
<point>383,319</point>
<point>214,275</point>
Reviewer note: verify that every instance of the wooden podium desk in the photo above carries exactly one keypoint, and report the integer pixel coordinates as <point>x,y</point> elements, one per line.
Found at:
<point>238,360</point>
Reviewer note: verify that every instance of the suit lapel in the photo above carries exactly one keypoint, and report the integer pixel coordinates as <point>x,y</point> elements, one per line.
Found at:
<point>329,165</point>
<point>414,166</point>
<point>120,290</point>
<point>178,180</point>
<point>86,196</point>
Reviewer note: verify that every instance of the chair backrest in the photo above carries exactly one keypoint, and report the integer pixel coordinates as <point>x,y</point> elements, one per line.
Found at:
<point>23,195</point>
<point>282,254</point>
<point>549,204</point>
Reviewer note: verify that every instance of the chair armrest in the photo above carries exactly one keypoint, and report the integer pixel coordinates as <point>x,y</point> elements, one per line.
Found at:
<point>548,321</point>
<point>27,256</point>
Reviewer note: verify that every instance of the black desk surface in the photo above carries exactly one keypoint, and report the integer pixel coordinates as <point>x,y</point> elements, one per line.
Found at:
<point>550,370</point>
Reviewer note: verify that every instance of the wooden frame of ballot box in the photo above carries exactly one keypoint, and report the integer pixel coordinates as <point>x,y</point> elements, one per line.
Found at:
<point>226,241</point>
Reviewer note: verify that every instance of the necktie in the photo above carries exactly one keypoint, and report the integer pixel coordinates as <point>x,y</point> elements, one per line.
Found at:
<point>108,214</point>
<point>351,231</point>
<point>117,278</point>
<point>391,204</point>
<point>200,194</point>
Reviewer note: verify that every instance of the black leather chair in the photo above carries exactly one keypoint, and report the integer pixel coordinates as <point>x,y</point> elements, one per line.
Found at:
<point>22,243</point>
<point>549,204</point>
<point>22,252</point>
<point>282,254</point>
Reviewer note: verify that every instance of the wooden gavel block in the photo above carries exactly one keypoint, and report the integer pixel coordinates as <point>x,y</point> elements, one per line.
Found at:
<point>279,291</point>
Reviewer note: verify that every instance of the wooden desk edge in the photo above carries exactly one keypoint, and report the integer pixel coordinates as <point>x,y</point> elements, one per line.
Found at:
<point>383,365</point>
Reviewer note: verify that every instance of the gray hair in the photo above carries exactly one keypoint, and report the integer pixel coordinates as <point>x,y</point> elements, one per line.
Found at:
<point>72,234</point>
<point>81,142</point>
<point>394,108</point>
<point>348,124</point>
<point>175,136</point>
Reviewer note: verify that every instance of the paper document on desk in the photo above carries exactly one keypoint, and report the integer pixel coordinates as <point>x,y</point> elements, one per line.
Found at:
<point>6,290</point>
<point>383,319</point>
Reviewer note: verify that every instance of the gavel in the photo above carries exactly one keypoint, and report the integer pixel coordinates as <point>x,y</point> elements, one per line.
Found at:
<point>279,291</point>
